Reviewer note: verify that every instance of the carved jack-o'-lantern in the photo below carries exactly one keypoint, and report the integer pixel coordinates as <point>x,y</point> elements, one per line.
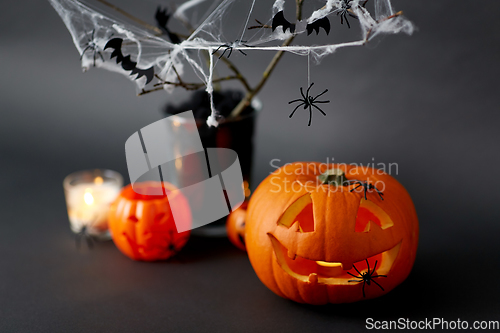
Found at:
<point>142,226</point>
<point>315,242</point>
<point>235,226</point>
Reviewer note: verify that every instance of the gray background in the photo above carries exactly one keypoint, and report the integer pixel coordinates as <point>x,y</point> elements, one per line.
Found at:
<point>428,102</point>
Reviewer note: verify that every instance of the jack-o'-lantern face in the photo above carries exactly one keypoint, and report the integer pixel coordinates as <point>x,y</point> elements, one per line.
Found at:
<point>235,226</point>
<point>143,226</point>
<point>318,244</point>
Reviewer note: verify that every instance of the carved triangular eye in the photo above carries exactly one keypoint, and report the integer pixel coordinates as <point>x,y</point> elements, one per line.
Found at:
<point>369,215</point>
<point>299,214</point>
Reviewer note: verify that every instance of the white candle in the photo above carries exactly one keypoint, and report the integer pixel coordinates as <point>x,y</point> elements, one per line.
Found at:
<point>88,198</point>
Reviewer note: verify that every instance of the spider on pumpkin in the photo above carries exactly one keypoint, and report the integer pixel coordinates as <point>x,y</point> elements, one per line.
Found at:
<point>230,48</point>
<point>366,277</point>
<point>344,10</point>
<point>308,102</point>
<point>366,187</point>
<point>93,47</point>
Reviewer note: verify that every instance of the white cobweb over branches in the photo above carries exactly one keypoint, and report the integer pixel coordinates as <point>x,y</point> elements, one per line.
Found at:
<point>208,26</point>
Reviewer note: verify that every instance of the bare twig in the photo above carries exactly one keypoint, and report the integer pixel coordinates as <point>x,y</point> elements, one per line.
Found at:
<point>392,16</point>
<point>177,73</point>
<point>228,62</point>
<point>235,70</point>
<point>131,17</point>
<point>245,102</point>
<point>368,33</point>
<point>260,26</point>
<point>186,85</point>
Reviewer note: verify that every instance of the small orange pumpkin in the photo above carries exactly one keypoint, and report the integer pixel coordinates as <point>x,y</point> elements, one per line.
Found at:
<point>143,227</point>
<point>235,226</point>
<point>322,243</point>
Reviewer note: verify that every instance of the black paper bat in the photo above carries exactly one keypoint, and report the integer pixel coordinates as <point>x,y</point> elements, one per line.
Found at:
<point>162,17</point>
<point>127,63</point>
<point>321,23</point>
<point>280,20</point>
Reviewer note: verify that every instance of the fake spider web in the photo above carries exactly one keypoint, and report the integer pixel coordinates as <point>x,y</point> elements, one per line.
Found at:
<point>212,25</point>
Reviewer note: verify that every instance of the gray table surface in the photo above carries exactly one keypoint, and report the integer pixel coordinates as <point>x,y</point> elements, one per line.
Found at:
<point>429,102</point>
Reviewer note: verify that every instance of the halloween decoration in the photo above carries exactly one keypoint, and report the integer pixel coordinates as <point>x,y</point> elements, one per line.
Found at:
<point>308,102</point>
<point>346,9</point>
<point>280,20</point>
<point>143,226</point>
<point>230,47</point>
<point>307,238</point>
<point>146,57</point>
<point>366,187</point>
<point>89,194</point>
<point>127,64</point>
<point>366,277</point>
<point>162,17</point>
<point>92,46</point>
<point>235,226</point>
<point>316,25</point>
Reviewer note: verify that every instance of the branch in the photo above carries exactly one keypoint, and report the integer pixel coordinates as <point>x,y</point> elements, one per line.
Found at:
<point>131,17</point>
<point>245,102</point>
<point>368,33</point>
<point>259,26</point>
<point>235,70</point>
<point>186,85</point>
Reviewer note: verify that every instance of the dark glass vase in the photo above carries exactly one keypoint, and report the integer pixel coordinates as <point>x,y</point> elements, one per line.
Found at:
<point>232,133</point>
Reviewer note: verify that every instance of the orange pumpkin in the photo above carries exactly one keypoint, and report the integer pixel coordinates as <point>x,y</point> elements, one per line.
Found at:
<point>324,243</point>
<point>143,227</point>
<point>235,226</point>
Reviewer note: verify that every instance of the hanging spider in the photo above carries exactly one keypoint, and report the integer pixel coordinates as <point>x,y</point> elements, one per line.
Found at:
<point>84,234</point>
<point>93,47</point>
<point>366,187</point>
<point>308,102</point>
<point>230,48</point>
<point>344,10</point>
<point>366,277</point>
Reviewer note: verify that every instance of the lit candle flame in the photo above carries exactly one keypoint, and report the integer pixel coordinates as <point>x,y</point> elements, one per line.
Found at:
<point>329,264</point>
<point>88,198</point>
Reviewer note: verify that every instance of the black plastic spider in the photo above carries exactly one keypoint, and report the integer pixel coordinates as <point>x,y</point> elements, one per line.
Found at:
<point>366,277</point>
<point>230,48</point>
<point>84,234</point>
<point>366,187</point>
<point>93,47</point>
<point>308,102</point>
<point>343,11</point>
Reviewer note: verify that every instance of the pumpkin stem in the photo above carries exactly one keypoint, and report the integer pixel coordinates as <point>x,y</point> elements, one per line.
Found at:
<point>334,177</point>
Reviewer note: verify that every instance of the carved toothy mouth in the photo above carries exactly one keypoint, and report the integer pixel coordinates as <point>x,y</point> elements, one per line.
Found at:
<point>335,273</point>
